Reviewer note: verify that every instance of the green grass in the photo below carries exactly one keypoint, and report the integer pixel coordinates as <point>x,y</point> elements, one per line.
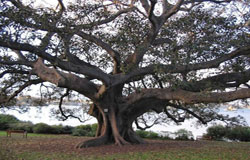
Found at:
<point>4,134</point>
<point>207,153</point>
<point>213,150</point>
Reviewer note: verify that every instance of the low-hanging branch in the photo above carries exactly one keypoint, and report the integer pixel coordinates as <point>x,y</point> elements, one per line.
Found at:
<point>65,117</point>
<point>20,89</point>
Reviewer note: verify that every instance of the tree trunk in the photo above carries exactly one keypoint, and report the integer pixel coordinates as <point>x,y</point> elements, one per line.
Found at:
<point>113,127</point>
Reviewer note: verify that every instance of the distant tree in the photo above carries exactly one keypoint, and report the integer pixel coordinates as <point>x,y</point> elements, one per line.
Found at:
<point>217,132</point>
<point>85,130</point>
<point>239,133</point>
<point>220,132</point>
<point>176,58</point>
<point>6,120</point>
<point>43,128</point>
<point>183,134</point>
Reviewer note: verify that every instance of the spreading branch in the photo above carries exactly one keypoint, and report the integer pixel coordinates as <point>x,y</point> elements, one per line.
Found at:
<point>114,54</point>
<point>176,68</point>
<point>13,71</point>
<point>146,126</point>
<point>107,20</point>
<point>221,81</point>
<point>83,69</point>
<point>188,97</point>
<point>65,80</point>
<point>21,88</point>
<point>65,117</point>
<point>168,13</point>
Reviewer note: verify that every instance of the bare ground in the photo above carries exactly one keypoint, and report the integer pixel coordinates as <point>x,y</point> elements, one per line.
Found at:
<point>66,144</point>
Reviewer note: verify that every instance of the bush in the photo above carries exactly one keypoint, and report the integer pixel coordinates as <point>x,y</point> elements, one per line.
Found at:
<point>183,134</point>
<point>42,128</point>
<point>152,135</point>
<point>165,138</point>
<point>27,126</point>
<point>6,120</point>
<point>67,129</point>
<point>85,130</point>
<point>60,129</point>
<point>56,129</point>
<point>239,133</point>
<point>141,133</point>
<point>217,132</point>
<point>147,134</point>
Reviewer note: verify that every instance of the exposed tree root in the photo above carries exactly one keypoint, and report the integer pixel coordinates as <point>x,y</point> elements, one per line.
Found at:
<point>133,138</point>
<point>94,142</point>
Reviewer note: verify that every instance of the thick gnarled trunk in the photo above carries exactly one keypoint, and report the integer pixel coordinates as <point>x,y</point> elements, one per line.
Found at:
<point>113,127</point>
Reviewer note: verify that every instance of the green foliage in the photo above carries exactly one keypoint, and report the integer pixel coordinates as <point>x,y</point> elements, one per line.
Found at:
<point>42,128</point>
<point>147,134</point>
<point>6,121</point>
<point>183,134</point>
<point>239,133</point>
<point>141,133</point>
<point>85,130</point>
<point>210,150</point>
<point>27,126</point>
<point>60,129</point>
<point>217,132</point>
<point>54,129</point>
<point>67,129</point>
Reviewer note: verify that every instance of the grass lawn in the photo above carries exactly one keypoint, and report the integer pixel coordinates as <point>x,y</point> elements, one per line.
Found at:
<point>2,133</point>
<point>61,147</point>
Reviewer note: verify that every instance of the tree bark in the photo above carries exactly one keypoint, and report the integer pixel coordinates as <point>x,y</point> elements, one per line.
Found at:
<point>113,127</point>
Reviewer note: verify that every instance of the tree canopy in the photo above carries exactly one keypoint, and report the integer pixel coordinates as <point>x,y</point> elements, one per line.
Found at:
<point>176,58</point>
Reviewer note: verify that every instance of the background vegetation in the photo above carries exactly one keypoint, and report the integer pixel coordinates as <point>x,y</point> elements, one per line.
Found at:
<point>236,133</point>
<point>85,130</point>
<point>216,132</point>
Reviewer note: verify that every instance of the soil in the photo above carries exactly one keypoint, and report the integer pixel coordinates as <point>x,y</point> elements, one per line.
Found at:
<point>66,144</point>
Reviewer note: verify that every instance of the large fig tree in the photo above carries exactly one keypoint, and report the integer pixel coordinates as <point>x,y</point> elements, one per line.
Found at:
<point>129,57</point>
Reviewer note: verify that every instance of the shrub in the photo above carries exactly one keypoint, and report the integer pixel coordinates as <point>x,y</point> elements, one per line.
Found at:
<point>60,129</point>
<point>239,133</point>
<point>141,133</point>
<point>67,129</point>
<point>56,129</point>
<point>165,137</point>
<point>152,135</point>
<point>27,126</point>
<point>183,134</point>
<point>85,130</point>
<point>42,128</point>
<point>147,134</point>
<point>6,120</point>
<point>217,132</point>
<point>94,127</point>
